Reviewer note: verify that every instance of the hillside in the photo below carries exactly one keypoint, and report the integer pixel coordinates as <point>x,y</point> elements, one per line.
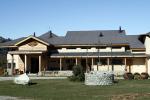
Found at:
<point>3,52</point>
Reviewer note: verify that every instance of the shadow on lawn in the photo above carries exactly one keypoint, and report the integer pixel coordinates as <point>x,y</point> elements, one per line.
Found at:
<point>32,83</point>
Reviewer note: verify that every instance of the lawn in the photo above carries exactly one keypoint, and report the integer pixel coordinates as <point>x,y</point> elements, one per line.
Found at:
<point>66,90</point>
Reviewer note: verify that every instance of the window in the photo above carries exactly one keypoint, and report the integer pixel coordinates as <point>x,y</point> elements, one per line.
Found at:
<point>9,65</point>
<point>117,62</point>
<point>69,64</point>
<point>103,61</point>
<point>70,61</point>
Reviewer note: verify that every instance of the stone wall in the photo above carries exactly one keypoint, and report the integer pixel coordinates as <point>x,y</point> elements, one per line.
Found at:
<point>99,78</point>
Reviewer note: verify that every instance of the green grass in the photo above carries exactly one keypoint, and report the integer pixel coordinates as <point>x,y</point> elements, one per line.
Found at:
<point>66,90</point>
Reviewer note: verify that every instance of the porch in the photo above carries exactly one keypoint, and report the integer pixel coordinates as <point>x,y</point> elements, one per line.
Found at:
<point>39,63</point>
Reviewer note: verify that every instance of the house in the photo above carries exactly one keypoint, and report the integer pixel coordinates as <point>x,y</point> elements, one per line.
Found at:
<point>102,50</point>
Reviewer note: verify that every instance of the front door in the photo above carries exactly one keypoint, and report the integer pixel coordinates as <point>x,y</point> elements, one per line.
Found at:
<point>34,65</point>
<point>83,63</point>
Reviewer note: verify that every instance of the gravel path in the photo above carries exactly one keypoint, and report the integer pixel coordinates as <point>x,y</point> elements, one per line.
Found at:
<point>11,98</point>
<point>11,78</point>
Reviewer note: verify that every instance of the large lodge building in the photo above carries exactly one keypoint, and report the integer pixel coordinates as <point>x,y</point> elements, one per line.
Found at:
<point>102,50</point>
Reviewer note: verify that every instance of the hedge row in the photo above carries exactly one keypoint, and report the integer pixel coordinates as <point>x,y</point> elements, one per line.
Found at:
<point>136,76</point>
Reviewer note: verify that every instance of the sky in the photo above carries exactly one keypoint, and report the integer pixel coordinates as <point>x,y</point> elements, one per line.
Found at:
<point>21,18</point>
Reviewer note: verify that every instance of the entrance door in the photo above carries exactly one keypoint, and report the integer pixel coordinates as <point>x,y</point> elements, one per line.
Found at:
<point>34,65</point>
<point>83,63</point>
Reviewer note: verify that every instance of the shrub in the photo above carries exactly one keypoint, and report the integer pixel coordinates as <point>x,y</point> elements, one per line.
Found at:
<point>128,76</point>
<point>144,75</point>
<point>137,76</point>
<point>78,74</point>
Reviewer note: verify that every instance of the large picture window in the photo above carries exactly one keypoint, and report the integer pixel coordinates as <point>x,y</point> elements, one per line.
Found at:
<point>117,61</point>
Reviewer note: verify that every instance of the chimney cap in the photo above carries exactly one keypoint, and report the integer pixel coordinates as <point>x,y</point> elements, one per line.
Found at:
<point>101,34</point>
<point>51,34</point>
<point>120,29</point>
<point>34,34</point>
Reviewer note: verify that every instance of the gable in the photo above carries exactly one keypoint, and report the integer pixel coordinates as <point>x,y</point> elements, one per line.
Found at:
<point>31,37</point>
<point>32,45</point>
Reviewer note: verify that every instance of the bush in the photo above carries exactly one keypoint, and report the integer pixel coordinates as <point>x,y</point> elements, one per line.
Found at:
<point>1,71</point>
<point>137,76</point>
<point>144,75</point>
<point>128,76</point>
<point>78,74</point>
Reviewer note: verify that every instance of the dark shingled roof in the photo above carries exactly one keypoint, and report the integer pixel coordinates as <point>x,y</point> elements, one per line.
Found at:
<point>96,37</point>
<point>12,43</point>
<point>51,38</point>
<point>93,37</point>
<point>134,41</point>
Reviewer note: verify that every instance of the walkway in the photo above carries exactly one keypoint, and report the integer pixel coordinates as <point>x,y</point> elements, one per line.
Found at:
<point>11,78</point>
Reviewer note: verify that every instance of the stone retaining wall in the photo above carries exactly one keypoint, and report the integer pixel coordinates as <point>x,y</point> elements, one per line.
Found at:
<point>98,78</point>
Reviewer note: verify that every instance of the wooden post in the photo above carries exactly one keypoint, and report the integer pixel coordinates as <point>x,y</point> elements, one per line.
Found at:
<point>25,63</point>
<point>146,65</point>
<point>12,64</point>
<point>125,63</point>
<point>39,65</point>
<point>60,64</point>
<point>92,64</point>
<point>76,61</point>
<point>108,63</point>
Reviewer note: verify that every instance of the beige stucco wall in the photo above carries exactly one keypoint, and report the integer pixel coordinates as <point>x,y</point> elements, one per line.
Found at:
<point>138,65</point>
<point>19,64</point>
<point>147,45</point>
<point>118,69</point>
<point>148,63</point>
<point>16,59</point>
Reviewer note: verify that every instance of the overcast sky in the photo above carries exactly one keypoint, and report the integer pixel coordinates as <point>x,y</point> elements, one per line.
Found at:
<point>20,18</point>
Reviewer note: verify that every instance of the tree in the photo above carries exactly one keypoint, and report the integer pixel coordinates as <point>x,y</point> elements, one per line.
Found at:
<point>78,73</point>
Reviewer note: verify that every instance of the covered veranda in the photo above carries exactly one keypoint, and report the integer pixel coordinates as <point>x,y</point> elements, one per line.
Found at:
<point>27,61</point>
<point>119,62</point>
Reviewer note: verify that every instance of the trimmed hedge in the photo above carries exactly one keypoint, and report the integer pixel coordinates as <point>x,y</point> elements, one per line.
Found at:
<point>128,76</point>
<point>144,75</point>
<point>137,76</point>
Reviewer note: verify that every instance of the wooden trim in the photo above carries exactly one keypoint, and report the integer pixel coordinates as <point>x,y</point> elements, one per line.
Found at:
<point>73,45</point>
<point>30,38</point>
<point>8,46</point>
<point>120,44</point>
<point>138,49</point>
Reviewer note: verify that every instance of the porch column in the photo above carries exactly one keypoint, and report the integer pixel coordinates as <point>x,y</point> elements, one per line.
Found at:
<point>12,63</point>
<point>39,73</point>
<point>76,61</point>
<point>92,64</point>
<point>108,63</point>
<point>25,63</point>
<point>60,64</point>
<point>125,63</point>
<point>146,65</point>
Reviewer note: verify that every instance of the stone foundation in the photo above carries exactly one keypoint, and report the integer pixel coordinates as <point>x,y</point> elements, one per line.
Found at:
<point>57,73</point>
